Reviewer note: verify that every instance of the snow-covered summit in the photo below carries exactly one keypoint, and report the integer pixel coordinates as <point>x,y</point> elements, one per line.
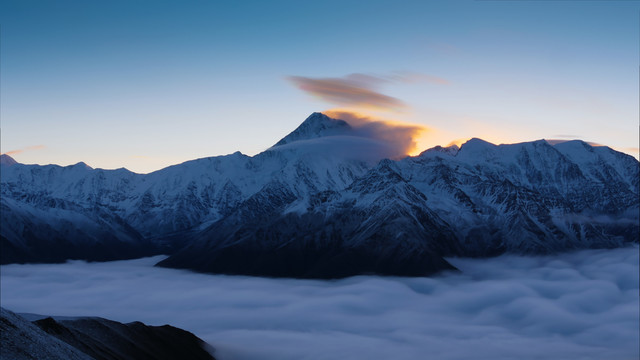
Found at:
<point>315,126</point>
<point>7,160</point>
<point>477,149</point>
<point>451,150</point>
<point>327,185</point>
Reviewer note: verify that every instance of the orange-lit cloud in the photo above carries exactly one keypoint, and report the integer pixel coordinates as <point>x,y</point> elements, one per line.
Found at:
<point>354,90</point>
<point>360,90</point>
<point>19,151</point>
<point>400,138</point>
<point>458,142</point>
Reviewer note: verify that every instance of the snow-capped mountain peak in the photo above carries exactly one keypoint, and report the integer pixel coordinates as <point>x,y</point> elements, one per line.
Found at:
<point>315,126</point>
<point>81,165</point>
<point>451,150</point>
<point>324,202</point>
<point>475,147</point>
<point>7,160</point>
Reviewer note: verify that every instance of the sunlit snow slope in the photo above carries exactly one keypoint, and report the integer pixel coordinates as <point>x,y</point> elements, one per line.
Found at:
<point>323,202</point>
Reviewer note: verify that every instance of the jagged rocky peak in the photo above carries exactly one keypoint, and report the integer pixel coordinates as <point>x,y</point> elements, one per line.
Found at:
<point>376,179</point>
<point>315,126</point>
<point>7,160</point>
<point>530,197</point>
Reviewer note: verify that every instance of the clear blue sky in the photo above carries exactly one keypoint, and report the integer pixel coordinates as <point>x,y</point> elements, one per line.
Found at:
<point>146,84</point>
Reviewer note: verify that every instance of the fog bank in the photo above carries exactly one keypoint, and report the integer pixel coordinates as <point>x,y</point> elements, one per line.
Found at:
<point>580,305</point>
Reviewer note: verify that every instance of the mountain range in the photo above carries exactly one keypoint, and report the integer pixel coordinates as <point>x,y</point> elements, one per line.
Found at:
<point>323,202</point>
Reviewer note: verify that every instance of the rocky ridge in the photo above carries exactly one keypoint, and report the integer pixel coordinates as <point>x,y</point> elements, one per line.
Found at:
<point>297,210</point>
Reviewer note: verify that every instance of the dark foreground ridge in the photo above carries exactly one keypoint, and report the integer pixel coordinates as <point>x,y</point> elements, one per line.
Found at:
<point>95,338</point>
<point>312,262</point>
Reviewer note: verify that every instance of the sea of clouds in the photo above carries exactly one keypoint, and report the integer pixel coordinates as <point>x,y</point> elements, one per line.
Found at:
<point>582,305</point>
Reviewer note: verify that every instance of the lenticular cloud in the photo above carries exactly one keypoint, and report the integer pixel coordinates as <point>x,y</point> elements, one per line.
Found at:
<point>581,305</point>
<point>400,139</point>
<point>355,90</point>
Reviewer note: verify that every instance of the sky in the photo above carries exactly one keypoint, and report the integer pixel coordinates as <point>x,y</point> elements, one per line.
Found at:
<point>146,84</point>
<point>580,305</point>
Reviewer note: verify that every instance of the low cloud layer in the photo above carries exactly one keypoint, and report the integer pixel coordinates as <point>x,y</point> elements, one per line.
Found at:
<point>582,305</point>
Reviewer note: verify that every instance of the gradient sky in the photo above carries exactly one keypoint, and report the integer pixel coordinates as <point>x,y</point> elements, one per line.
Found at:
<point>146,84</point>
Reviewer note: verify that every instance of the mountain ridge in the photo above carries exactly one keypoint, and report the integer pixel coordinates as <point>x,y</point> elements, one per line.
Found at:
<point>89,338</point>
<point>314,126</point>
<point>357,215</point>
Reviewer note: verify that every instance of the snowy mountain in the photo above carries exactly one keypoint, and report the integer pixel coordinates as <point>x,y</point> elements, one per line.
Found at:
<point>323,202</point>
<point>378,224</point>
<point>61,210</point>
<point>530,197</point>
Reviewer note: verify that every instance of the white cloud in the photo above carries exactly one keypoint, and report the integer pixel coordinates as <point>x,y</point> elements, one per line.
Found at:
<point>580,305</point>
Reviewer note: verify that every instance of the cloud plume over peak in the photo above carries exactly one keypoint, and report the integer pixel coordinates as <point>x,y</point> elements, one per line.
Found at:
<point>353,90</point>
<point>356,137</point>
<point>360,91</point>
<point>401,139</point>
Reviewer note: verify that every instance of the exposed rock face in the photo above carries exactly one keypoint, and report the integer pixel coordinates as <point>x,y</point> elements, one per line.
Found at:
<point>401,217</point>
<point>22,340</point>
<point>95,338</point>
<point>380,224</point>
<point>304,209</point>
